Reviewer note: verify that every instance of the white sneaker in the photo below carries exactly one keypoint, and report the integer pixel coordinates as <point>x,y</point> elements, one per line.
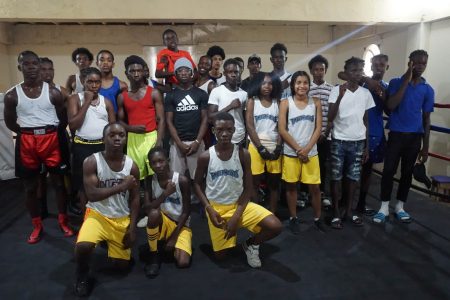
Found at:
<point>326,202</point>
<point>301,203</point>
<point>252,253</point>
<point>142,223</point>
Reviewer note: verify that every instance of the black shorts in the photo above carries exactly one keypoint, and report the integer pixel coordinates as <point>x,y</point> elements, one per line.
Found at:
<point>79,153</point>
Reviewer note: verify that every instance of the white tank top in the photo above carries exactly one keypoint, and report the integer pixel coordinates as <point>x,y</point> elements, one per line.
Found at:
<point>301,125</point>
<point>266,123</point>
<point>224,181</point>
<point>205,85</point>
<point>95,120</point>
<point>35,112</point>
<point>79,88</point>
<point>115,206</point>
<point>172,206</point>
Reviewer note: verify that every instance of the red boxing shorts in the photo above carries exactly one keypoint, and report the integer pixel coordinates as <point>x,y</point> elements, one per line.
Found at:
<point>37,146</point>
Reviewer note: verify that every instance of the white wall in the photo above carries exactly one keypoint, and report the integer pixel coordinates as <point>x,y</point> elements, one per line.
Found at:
<point>438,76</point>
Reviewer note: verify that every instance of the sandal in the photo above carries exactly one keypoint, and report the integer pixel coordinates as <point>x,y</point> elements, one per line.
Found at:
<point>336,223</point>
<point>379,218</point>
<point>357,221</point>
<point>403,216</point>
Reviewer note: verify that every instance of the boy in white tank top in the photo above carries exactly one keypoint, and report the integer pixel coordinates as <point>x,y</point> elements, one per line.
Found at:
<point>111,183</point>
<point>226,170</point>
<point>167,204</point>
<point>34,110</point>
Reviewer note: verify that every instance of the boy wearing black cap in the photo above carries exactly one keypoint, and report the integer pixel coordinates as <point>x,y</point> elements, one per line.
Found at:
<point>253,66</point>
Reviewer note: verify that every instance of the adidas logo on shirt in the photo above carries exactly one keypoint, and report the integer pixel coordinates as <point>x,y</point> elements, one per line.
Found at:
<point>187,104</point>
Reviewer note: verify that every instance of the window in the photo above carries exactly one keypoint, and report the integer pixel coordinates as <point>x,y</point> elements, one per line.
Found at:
<point>369,52</point>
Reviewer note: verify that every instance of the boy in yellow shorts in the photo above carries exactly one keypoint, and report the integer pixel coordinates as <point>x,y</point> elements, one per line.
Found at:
<point>111,185</point>
<point>167,202</point>
<point>226,170</point>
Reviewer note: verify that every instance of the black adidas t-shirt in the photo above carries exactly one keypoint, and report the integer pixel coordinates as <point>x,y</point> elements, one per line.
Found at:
<point>186,106</point>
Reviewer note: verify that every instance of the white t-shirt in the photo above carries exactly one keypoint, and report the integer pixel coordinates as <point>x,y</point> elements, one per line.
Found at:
<point>349,124</point>
<point>222,97</point>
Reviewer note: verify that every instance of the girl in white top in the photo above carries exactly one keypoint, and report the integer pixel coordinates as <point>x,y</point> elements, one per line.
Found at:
<point>262,127</point>
<point>88,114</point>
<point>299,124</point>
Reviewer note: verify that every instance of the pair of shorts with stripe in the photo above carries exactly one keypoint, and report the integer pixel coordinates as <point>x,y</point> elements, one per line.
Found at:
<point>251,217</point>
<point>168,226</point>
<point>260,165</point>
<point>294,170</point>
<point>34,150</point>
<point>97,227</point>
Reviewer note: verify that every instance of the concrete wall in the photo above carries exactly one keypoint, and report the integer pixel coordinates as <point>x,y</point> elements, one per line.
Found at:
<point>359,11</point>
<point>58,41</point>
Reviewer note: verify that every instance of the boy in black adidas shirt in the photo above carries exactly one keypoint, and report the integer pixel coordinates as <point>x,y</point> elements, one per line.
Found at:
<point>186,112</point>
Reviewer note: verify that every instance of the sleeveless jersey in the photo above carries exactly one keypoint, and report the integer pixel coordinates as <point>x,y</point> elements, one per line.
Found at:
<point>266,123</point>
<point>142,111</point>
<point>224,181</point>
<point>301,125</point>
<point>95,120</point>
<point>78,85</point>
<point>112,92</point>
<point>172,206</point>
<point>115,206</point>
<point>35,112</point>
<point>205,85</point>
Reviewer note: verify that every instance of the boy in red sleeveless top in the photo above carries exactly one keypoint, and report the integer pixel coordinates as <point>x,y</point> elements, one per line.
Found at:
<point>166,58</point>
<point>141,112</point>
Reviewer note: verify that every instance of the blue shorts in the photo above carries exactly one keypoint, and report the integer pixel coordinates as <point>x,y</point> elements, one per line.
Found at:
<point>377,146</point>
<point>346,158</point>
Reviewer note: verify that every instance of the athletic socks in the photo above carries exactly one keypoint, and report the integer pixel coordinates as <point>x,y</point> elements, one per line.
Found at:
<point>384,209</point>
<point>152,237</point>
<point>399,206</point>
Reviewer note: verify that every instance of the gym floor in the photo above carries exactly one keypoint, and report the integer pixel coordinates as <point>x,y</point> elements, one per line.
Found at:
<point>391,261</point>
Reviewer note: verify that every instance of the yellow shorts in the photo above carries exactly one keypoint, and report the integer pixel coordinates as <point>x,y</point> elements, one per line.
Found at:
<point>184,241</point>
<point>252,215</point>
<point>260,165</point>
<point>138,146</point>
<point>97,227</point>
<point>294,170</point>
